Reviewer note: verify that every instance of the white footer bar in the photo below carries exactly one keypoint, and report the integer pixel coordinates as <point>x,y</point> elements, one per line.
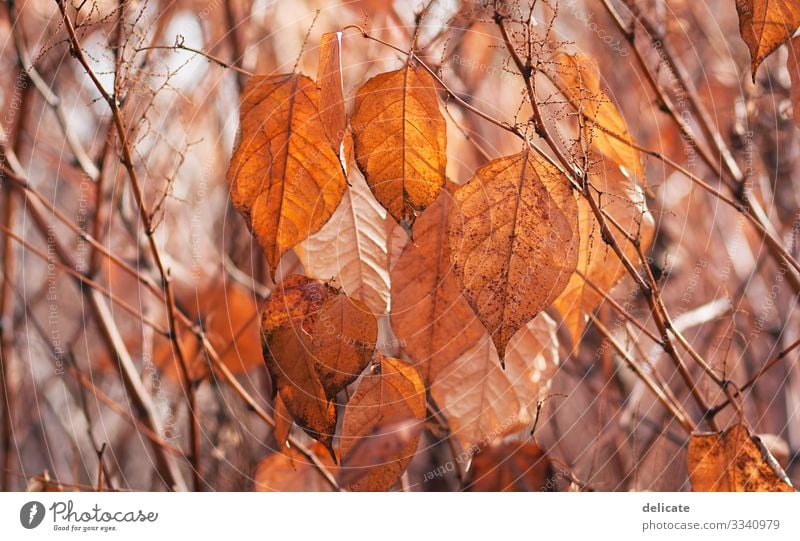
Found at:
<point>401,517</point>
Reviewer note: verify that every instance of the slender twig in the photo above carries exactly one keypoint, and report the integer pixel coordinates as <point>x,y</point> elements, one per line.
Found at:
<point>6,339</point>
<point>233,38</point>
<point>619,309</point>
<point>147,222</point>
<point>180,46</point>
<point>100,482</point>
<point>763,370</point>
<point>51,98</point>
<point>109,332</point>
<point>644,376</point>
<point>733,174</point>
<point>647,282</point>
<point>6,307</point>
<point>85,281</point>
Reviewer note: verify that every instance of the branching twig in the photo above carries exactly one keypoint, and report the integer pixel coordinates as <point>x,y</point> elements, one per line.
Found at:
<point>147,222</point>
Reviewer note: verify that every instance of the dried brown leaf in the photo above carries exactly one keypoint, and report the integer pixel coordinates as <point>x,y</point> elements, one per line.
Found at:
<point>513,241</point>
<point>379,448</point>
<point>765,25</point>
<point>481,400</point>
<point>291,471</point>
<point>295,379</point>
<point>517,466</point>
<point>331,91</point>
<point>341,342</point>
<point>429,314</point>
<point>733,461</point>
<point>379,411</point>
<point>316,341</point>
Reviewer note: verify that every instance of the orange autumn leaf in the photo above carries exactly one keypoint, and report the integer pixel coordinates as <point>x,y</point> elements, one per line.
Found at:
<point>281,196</point>
<point>622,200</point>
<point>578,78</point>
<point>292,300</point>
<point>765,25</point>
<point>513,241</point>
<point>316,341</point>
<point>377,449</point>
<point>429,314</point>
<point>283,422</point>
<point>733,461</point>
<point>331,91</point>
<point>374,418</point>
<point>296,381</point>
<point>400,139</point>
<point>291,471</point>
<point>341,342</point>
<point>297,385</point>
<point>511,466</point>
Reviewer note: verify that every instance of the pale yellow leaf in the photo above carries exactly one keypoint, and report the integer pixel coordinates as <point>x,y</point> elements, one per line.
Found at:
<point>352,248</point>
<point>482,401</point>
